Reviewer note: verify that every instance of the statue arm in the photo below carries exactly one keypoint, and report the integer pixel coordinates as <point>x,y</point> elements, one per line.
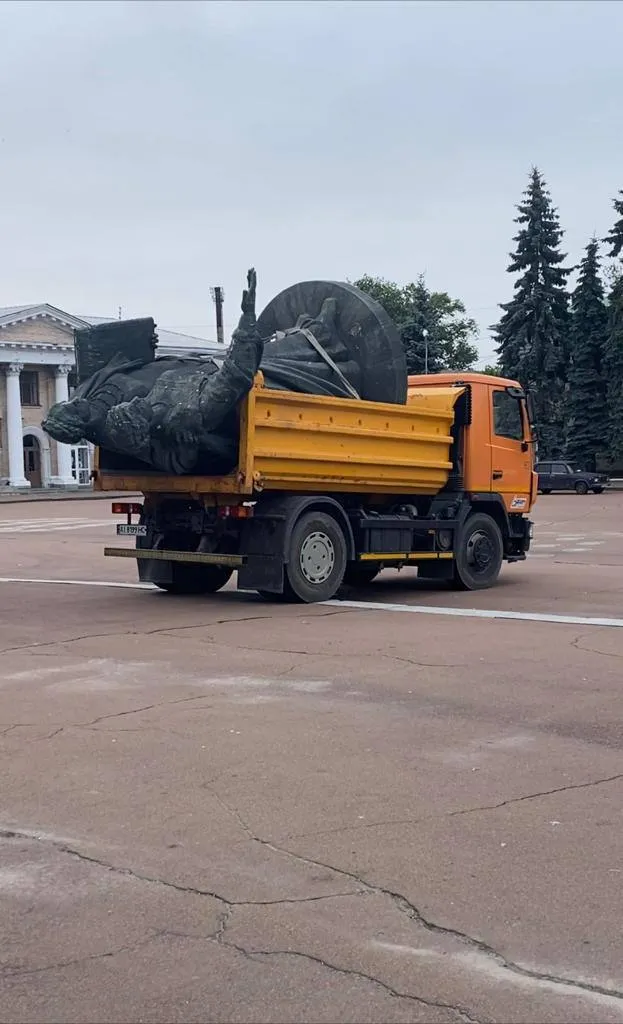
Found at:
<point>220,392</point>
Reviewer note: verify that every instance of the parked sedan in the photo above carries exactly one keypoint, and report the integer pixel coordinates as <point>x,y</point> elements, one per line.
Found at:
<point>560,476</point>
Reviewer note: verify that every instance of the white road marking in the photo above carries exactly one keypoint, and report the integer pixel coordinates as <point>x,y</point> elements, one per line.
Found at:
<point>50,525</point>
<point>375,606</point>
<point>81,583</point>
<point>475,613</point>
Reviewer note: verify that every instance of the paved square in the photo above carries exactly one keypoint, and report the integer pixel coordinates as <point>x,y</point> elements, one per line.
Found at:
<point>216,809</point>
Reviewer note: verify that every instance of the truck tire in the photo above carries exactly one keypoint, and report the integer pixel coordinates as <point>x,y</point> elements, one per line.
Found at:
<point>196,579</point>
<point>360,575</point>
<point>186,577</point>
<point>478,554</point>
<point>317,559</point>
<point>581,487</point>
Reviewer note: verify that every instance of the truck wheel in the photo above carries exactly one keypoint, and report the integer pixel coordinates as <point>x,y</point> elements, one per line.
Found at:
<point>316,559</point>
<point>479,553</point>
<point>187,578</point>
<point>360,575</point>
<point>581,487</point>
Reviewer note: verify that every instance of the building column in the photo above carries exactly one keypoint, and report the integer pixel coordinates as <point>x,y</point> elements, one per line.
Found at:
<point>63,451</point>
<point>14,426</point>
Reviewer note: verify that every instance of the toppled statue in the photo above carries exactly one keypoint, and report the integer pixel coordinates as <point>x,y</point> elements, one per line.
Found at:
<point>179,415</point>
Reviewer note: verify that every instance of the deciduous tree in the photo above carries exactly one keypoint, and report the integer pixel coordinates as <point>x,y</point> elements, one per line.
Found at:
<point>436,331</point>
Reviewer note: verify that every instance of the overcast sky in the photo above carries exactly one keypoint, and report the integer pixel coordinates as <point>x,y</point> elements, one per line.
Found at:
<point>150,150</point>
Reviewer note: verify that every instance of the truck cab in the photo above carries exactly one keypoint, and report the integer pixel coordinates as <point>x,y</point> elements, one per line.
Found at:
<point>497,446</point>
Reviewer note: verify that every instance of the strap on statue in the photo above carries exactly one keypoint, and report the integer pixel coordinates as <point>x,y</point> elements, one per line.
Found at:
<point>322,352</point>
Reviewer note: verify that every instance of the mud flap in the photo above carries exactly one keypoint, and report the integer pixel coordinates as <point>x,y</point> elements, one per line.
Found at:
<point>262,543</point>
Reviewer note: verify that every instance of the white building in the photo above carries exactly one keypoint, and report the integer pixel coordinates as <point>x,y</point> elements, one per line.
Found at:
<point>36,358</point>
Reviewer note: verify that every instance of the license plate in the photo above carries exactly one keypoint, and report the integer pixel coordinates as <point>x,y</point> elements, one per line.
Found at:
<point>131,530</point>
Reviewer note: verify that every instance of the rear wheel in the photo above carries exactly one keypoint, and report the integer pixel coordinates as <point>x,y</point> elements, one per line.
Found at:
<point>316,559</point>
<point>478,554</point>
<point>184,577</point>
<point>190,578</point>
<point>581,487</point>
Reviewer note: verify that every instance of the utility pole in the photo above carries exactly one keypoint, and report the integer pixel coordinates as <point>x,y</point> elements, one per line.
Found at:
<point>425,336</point>
<point>218,297</point>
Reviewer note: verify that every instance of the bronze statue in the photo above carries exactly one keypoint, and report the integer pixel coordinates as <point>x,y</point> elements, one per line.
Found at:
<point>179,415</point>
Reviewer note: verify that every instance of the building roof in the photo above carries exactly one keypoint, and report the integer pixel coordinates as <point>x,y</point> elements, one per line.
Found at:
<point>165,336</point>
<point>7,310</point>
<point>185,343</point>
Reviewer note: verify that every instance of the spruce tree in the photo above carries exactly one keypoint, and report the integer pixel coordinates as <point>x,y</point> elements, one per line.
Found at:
<point>615,236</point>
<point>614,341</point>
<point>587,426</point>
<point>533,332</point>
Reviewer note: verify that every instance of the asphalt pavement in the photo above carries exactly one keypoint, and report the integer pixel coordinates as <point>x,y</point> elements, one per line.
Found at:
<point>402,806</point>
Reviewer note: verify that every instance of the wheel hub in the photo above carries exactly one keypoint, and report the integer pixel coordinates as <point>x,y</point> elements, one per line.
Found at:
<point>317,557</point>
<point>479,551</point>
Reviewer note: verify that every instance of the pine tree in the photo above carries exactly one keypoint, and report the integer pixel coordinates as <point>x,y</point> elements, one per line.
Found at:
<point>615,237</point>
<point>587,424</point>
<point>614,340</point>
<point>533,333</point>
<point>614,368</point>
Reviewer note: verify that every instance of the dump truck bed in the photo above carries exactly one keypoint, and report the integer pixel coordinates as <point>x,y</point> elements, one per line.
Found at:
<point>311,443</point>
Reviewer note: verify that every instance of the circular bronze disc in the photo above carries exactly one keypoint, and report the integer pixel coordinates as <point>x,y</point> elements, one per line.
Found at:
<point>366,330</point>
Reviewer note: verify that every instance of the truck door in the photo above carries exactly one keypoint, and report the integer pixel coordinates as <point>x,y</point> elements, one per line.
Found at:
<point>511,458</point>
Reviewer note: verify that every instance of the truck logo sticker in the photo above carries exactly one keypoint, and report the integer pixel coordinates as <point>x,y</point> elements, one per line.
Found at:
<point>518,502</point>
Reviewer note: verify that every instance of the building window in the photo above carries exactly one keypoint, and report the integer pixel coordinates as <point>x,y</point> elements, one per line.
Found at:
<point>29,387</point>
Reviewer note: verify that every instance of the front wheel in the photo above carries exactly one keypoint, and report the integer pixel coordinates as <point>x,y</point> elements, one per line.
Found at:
<point>546,490</point>
<point>581,487</point>
<point>478,554</point>
<point>598,490</point>
<point>316,559</point>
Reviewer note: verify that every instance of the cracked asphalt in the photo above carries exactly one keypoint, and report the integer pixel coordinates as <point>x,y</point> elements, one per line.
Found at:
<point>221,810</point>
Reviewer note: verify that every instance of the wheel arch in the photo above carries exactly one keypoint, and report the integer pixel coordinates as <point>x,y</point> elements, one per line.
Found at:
<point>289,509</point>
<point>491,505</point>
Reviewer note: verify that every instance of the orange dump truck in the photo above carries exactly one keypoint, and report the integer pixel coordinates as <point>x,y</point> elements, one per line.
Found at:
<point>331,490</point>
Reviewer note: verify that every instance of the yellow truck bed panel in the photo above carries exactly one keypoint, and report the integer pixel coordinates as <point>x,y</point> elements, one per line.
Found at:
<point>316,443</point>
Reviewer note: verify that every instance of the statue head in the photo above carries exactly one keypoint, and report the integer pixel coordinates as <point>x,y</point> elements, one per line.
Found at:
<point>67,421</point>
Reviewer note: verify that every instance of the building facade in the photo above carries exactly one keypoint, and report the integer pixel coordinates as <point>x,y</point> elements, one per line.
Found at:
<point>36,360</point>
